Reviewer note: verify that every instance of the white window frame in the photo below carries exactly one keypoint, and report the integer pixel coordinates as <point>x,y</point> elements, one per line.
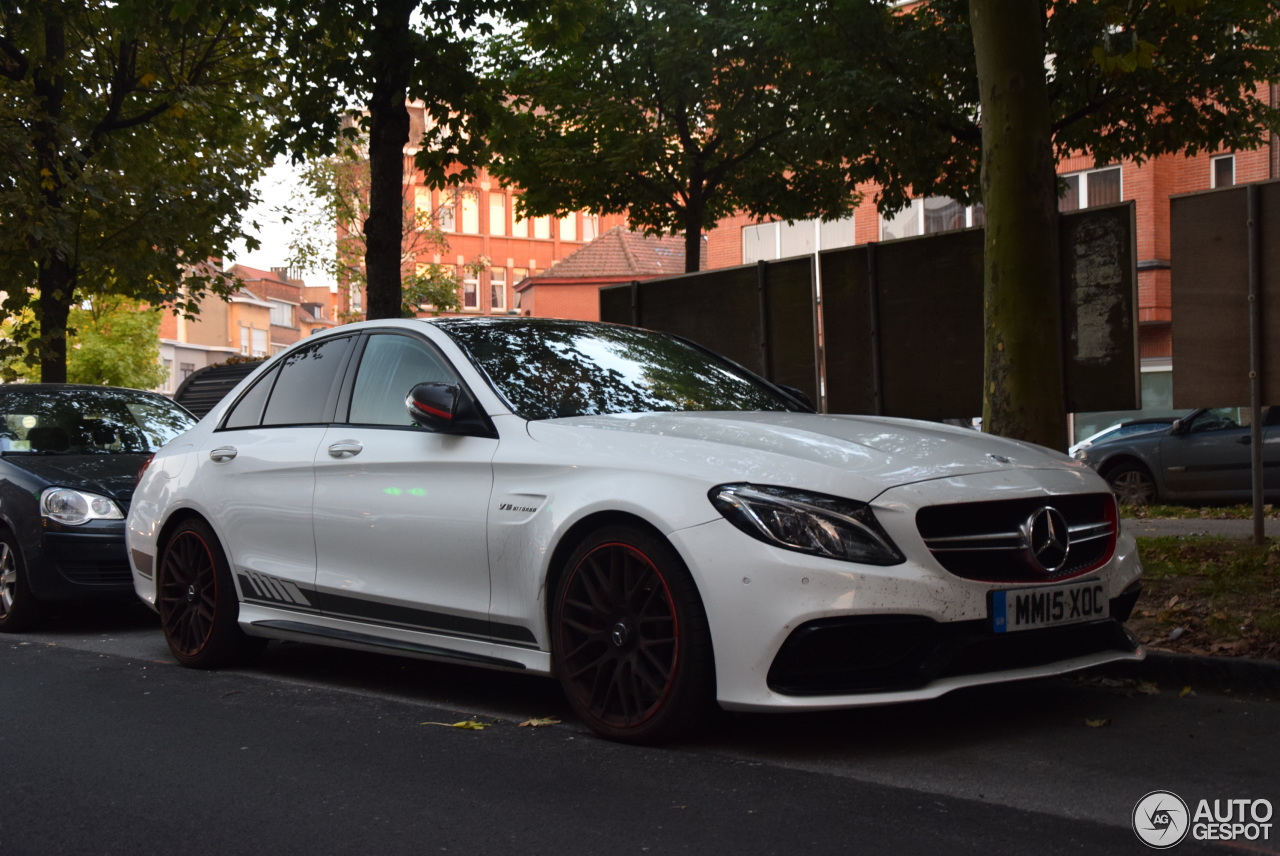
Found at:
<point>913,215</point>
<point>1213,170</point>
<point>497,289</point>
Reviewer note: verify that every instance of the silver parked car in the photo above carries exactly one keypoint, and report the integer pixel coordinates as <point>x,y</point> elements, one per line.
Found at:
<point>1202,457</point>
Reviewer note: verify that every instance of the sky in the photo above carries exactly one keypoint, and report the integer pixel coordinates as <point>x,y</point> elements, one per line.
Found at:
<point>278,186</point>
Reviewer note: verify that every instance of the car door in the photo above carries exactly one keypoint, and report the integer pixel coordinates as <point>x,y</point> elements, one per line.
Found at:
<point>400,512</point>
<point>1210,455</point>
<point>256,473</point>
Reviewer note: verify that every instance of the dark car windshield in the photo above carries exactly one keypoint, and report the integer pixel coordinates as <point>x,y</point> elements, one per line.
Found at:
<point>86,420</point>
<point>547,369</point>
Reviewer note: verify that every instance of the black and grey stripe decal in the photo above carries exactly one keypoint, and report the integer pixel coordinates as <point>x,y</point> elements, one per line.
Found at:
<point>271,591</point>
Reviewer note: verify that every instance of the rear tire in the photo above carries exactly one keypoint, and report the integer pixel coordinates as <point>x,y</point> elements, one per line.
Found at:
<point>629,639</point>
<point>19,609</point>
<point>1132,484</point>
<point>197,602</point>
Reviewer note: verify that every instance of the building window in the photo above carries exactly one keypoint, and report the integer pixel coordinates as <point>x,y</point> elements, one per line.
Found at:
<point>1224,170</point>
<point>1090,189</point>
<point>259,342</point>
<point>519,226</point>
<point>168,374</point>
<point>470,291</point>
<point>497,290</point>
<point>471,212</point>
<point>281,314</point>
<point>925,216</point>
<point>421,207</point>
<point>497,214</point>
<point>569,228</point>
<point>446,216</point>
<point>590,228</point>
<point>185,370</point>
<point>244,341</point>
<point>542,227</point>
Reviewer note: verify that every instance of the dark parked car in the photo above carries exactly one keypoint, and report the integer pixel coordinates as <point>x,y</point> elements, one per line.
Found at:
<point>1202,457</point>
<point>69,460</point>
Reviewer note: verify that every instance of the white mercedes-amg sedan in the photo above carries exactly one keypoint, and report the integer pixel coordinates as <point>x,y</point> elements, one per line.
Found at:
<point>658,528</point>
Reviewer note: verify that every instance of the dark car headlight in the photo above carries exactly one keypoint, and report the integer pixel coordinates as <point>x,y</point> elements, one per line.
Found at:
<point>807,522</point>
<point>74,507</point>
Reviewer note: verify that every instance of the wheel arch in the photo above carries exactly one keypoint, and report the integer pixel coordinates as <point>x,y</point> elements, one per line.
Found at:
<point>180,516</point>
<point>1110,465</point>
<point>576,534</point>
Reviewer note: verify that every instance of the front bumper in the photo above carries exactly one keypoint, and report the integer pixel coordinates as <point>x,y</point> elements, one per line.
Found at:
<point>792,631</point>
<point>85,561</point>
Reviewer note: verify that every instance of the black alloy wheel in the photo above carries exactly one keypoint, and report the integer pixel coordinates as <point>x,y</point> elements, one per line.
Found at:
<point>630,639</point>
<point>19,610</point>
<point>197,601</point>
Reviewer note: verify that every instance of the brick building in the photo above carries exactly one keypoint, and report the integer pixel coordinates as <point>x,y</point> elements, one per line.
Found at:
<point>270,311</point>
<point>480,222</point>
<point>571,287</point>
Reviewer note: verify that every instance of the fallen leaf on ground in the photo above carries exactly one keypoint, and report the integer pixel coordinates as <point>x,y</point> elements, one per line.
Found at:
<point>539,723</point>
<point>1097,723</point>
<point>1186,691</point>
<point>1148,688</point>
<point>469,724</point>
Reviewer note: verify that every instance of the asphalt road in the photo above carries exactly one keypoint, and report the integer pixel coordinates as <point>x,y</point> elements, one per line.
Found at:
<point>111,748</point>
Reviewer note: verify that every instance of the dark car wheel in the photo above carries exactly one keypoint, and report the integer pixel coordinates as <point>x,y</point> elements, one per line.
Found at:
<point>197,601</point>
<point>630,641</point>
<point>19,609</point>
<point>1132,484</point>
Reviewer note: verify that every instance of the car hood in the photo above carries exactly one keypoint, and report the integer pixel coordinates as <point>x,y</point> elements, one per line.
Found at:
<point>785,447</point>
<point>114,476</point>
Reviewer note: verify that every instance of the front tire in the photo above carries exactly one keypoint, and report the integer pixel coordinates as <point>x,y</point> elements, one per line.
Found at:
<point>1132,485</point>
<point>630,641</point>
<point>197,601</point>
<point>19,609</point>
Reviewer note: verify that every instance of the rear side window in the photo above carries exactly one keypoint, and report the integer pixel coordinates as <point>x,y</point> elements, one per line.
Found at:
<point>299,390</point>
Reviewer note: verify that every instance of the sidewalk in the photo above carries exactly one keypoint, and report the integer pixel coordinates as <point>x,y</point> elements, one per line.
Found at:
<point>1154,528</point>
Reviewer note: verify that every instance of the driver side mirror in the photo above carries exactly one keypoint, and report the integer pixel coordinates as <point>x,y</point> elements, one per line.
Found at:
<point>1179,427</point>
<point>434,406</point>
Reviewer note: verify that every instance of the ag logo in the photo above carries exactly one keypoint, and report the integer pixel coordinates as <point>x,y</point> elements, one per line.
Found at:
<point>1161,820</point>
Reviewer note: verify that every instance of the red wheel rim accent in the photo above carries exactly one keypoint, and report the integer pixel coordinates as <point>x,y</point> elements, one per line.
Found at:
<point>619,636</point>
<point>188,593</point>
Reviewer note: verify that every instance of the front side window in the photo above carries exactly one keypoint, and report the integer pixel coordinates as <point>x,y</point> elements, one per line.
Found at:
<point>390,367</point>
<point>547,369</point>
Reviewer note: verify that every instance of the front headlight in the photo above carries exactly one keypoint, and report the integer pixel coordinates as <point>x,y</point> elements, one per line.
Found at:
<point>74,507</point>
<point>807,522</point>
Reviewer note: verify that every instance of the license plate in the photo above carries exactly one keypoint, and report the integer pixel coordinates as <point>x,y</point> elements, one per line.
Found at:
<point>1048,606</point>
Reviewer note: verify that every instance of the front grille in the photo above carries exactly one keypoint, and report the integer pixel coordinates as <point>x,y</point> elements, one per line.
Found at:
<point>97,573</point>
<point>989,541</point>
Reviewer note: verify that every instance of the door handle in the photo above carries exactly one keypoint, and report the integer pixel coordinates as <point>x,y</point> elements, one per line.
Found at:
<point>223,453</point>
<point>345,449</point>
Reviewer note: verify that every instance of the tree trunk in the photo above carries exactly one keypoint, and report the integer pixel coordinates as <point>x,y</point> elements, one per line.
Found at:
<point>388,135</point>
<point>55,275</point>
<point>53,308</point>
<point>1023,384</point>
<point>692,238</point>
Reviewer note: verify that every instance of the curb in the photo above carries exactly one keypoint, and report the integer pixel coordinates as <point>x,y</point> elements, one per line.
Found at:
<point>1236,674</point>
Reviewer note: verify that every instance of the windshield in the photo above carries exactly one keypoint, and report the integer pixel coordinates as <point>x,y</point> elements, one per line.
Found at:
<point>82,420</point>
<point>547,369</point>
